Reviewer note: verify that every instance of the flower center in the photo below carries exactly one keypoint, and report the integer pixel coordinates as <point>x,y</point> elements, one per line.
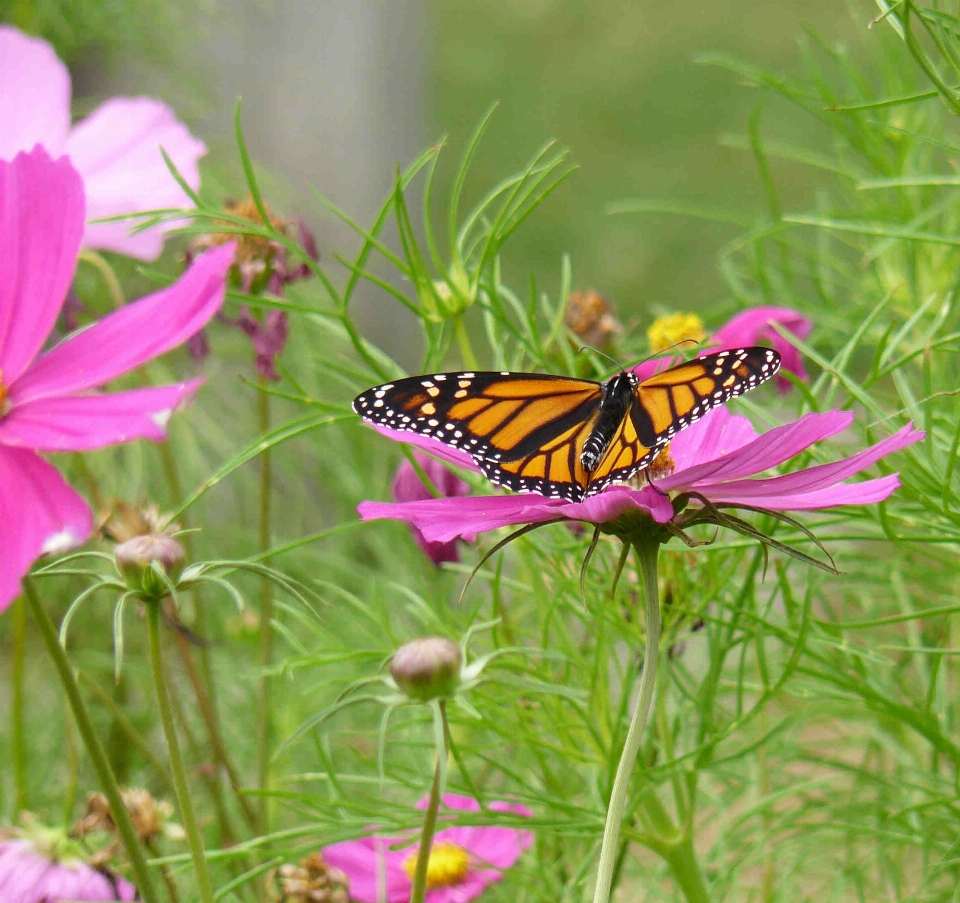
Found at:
<point>448,866</point>
<point>3,396</point>
<point>662,466</point>
<point>665,332</point>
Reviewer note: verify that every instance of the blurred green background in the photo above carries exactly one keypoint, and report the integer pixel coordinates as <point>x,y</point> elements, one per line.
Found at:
<point>337,92</point>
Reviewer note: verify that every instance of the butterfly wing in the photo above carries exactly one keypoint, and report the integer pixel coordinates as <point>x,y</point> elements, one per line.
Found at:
<point>669,402</point>
<point>524,430</point>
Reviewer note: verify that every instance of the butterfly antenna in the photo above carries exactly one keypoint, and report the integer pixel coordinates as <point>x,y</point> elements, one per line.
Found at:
<point>613,361</point>
<point>650,357</point>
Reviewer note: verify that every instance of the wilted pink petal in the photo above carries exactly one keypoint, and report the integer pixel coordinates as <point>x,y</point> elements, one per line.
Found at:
<point>268,337</point>
<point>34,95</point>
<point>130,336</point>
<point>753,327</point>
<point>117,150</point>
<point>408,487</point>
<point>39,513</point>
<point>86,422</point>
<point>41,224</point>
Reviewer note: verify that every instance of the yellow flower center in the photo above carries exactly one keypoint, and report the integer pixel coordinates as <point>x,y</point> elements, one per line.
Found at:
<point>448,865</point>
<point>3,395</point>
<point>665,332</point>
<point>662,466</point>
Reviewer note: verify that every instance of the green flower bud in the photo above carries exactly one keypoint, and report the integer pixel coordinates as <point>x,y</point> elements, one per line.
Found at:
<point>136,559</point>
<point>428,668</point>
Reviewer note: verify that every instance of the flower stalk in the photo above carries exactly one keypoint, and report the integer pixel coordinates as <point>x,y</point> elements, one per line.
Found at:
<point>195,842</point>
<point>17,733</point>
<point>647,551</point>
<point>98,755</point>
<point>266,621</point>
<point>419,890</point>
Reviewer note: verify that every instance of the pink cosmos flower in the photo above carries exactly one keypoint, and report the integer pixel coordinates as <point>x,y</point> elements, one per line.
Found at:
<point>28,876</point>
<point>715,457</point>
<point>116,148</point>
<point>48,401</point>
<point>464,861</point>
<point>755,327</point>
<point>408,487</point>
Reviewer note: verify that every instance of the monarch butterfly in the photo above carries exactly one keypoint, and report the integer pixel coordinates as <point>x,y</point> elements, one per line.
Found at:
<point>558,436</point>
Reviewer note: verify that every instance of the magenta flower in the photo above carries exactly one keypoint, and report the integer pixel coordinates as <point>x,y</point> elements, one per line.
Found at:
<point>116,148</point>
<point>464,861</point>
<point>29,876</point>
<point>408,487</point>
<point>715,457</point>
<point>755,327</point>
<point>48,401</point>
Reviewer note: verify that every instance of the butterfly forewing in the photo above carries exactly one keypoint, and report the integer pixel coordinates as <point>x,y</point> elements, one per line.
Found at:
<point>526,431</point>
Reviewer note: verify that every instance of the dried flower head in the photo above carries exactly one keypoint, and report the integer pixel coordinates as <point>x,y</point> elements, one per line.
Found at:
<point>312,881</point>
<point>590,317</point>
<point>123,521</point>
<point>150,816</point>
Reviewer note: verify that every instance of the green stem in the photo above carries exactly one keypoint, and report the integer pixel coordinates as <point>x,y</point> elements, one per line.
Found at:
<point>419,890</point>
<point>463,340</point>
<point>94,747</point>
<point>17,734</point>
<point>204,886</point>
<point>647,554</point>
<point>107,274</point>
<point>266,625</point>
<point>682,859</point>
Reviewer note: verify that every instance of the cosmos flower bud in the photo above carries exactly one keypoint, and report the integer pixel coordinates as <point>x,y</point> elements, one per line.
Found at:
<point>137,561</point>
<point>427,668</point>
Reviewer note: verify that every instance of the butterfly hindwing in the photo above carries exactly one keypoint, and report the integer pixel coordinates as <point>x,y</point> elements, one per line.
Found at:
<point>527,431</point>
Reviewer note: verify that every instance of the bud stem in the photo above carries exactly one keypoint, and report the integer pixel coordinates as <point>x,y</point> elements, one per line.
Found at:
<point>647,552</point>
<point>204,885</point>
<point>98,755</point>
<point>419,890</point>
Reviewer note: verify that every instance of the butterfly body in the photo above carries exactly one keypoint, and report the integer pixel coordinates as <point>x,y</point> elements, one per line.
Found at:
<point>558,436</point>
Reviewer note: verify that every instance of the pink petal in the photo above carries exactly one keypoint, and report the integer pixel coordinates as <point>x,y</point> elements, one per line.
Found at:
<point>489,844</point>
<point>39,513</point>
<point>360,860</point>
<point>41,223</point>
<point>433,446</point>
<point>715,435</point>
<point>117,150</point>
<point>822,476</point>
<point>476,882</point>
<point>766,451</point>
<point>865,493</point>
<point>753,326</point>
<point>85,422</point>
<point>129,337</point>
<point>35,95</point>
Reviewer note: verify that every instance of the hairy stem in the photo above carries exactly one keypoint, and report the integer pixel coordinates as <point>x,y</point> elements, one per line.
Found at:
<point>647,553</point>
<point>266,625</point>
<point>98,756</point>
<point>202,876</point>
<point>419,890</point>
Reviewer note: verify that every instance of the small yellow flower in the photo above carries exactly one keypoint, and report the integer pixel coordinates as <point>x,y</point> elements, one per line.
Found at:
<point>666,332</point>
<point>448,865</point>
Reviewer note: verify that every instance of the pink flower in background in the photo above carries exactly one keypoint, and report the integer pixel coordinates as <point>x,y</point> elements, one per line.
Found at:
<point>464,861</point>
<point>754,327</point>
<point>47,400</point>
<point>116,149</point>
<point>408,487</point>
<point>29,876</point>
<point>713,457</point>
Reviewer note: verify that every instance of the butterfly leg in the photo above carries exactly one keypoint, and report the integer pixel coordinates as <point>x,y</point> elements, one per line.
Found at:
<point>653,486</point>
